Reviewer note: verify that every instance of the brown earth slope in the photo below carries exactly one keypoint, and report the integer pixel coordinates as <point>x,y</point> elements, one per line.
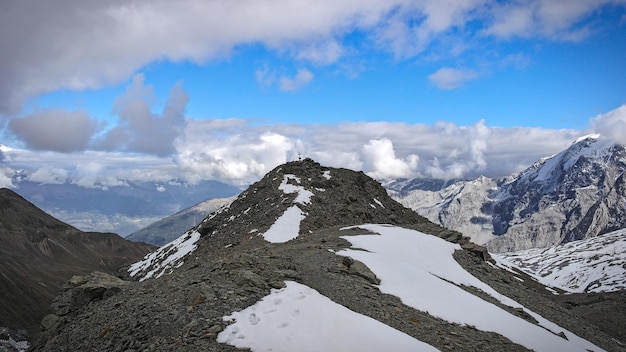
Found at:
<point>39,253</point>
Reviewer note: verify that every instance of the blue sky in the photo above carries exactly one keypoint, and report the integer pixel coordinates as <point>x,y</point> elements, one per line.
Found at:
<point>228,90</point>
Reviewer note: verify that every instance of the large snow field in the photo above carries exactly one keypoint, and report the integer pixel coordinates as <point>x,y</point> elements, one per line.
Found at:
<point>416,267</point>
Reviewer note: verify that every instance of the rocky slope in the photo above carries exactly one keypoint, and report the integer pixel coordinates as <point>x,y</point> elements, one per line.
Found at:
<point>300,235</point>
<point>576,194</point>
<point>169,228</point>
<point>39,253</point>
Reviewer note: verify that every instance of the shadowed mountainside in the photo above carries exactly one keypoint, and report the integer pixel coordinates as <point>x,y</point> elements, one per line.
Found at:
<point>39,253</point>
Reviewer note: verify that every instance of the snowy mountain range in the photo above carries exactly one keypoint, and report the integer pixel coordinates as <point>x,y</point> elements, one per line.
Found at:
<point>576,194</point>
<point>314,258</point>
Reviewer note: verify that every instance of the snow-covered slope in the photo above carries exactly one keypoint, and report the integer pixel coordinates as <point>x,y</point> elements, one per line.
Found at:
<point>595,264</point>
<point>576,194</point>
<point>416,267</point>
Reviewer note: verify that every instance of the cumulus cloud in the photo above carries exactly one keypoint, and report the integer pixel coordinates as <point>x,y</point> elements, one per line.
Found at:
<point>451,78</point>
<point>239,152</point>
<point>49,175</point>
<point>56,130</point>
<point>379,158</point>
<point>611,124</point>
<point>236,157</point>
<point>141,130</point>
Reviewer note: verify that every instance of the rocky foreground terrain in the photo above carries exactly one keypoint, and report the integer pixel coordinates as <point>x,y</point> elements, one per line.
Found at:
<point>238,255</point>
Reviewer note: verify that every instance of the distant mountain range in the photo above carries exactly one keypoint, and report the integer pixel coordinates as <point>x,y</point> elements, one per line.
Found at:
<point>171,227</point>
<point>39,253</point>
<point>119,209</point>
<point>576,194</point>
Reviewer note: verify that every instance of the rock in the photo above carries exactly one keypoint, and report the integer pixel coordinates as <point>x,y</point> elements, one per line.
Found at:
<point>361,270</point>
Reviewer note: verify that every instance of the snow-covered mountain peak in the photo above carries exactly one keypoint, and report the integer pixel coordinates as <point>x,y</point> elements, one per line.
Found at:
<point>585,150</point>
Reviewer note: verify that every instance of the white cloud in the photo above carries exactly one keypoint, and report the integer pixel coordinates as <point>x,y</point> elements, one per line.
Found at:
<point>612,124</point>
<point>266,77</point>
<point>5,177</point>
<point>297,82</point>
<point>321,53</point>
<point>239,152</point>
<point>141,130</point>
<point>451,78</point>
<point>49,175</point>
<point>380,160</point>
<point>560,20</point>
<point>237,158</point>
<point>102,43</point>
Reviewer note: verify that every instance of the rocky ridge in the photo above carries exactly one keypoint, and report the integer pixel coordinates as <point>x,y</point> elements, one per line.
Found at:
<point>229,265</point>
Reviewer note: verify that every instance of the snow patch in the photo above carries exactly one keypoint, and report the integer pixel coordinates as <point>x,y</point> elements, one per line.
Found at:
<point>298,318</point>
<point>304,196</point>
<point>286,227</point>
<point>166,258</point>
<point>326,174</point>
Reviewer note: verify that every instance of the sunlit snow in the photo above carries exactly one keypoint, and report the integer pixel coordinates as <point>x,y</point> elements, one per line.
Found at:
<point>304,196</point>
<point>286,227</point>
<point>416,267</point>
<point>593,265</point>
<point>298,318</point>
<point>420,270</point>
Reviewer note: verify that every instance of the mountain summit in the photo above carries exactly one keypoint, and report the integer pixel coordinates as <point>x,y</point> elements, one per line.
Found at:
<point>314,258</point>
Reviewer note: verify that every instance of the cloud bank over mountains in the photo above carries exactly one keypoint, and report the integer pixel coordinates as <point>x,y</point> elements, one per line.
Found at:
<point>73,45</point>
<point>167,145</point>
